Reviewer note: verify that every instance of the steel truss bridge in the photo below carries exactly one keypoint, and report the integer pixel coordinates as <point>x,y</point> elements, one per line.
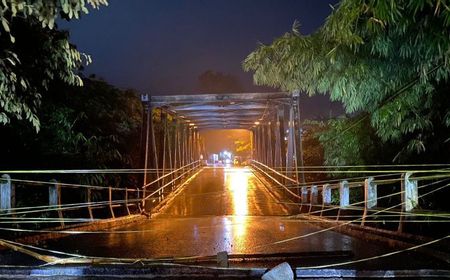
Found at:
<point>185,218</point>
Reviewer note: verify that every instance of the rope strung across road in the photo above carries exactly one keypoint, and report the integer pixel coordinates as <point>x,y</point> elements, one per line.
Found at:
<point>86,171</point>
<point>83,259</point>
<point>344,223</point>
<point>77,258</point>
<point>378,256</point>
<point>94,187</point>
<point>105,203</point>
<point>330,208</point>
<point>363,166</point>
<point>70,206</point>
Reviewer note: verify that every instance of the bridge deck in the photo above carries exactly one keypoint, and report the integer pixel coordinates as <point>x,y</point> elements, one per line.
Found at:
<point>228,210</point>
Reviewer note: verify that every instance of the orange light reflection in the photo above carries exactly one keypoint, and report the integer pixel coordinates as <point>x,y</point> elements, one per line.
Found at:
<point>237,183</point>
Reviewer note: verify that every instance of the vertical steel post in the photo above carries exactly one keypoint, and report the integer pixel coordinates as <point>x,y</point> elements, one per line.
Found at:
<point>269,144</point>
<point>296,105</point>
<point>126,200</point>
<point>256,142</point>
<point>110,202</point>
<point>191,144</point>
<point>285,137</point>
<point>291,158</point>
<point>260,146</point>
<point>147,132</point>
<point>185,145</point>
<point>88,199</point>
<point>154,150</point>
<point>252,143</point>
<point>278,141</point>
<point>164,152</point>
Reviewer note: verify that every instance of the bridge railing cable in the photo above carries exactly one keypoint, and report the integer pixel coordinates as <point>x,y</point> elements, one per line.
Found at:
<point>175,176</point>
<point>40,204</point>
<point>337,200</point>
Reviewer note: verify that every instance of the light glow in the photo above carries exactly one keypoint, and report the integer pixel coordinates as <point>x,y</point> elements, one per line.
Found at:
<point>237,182</point>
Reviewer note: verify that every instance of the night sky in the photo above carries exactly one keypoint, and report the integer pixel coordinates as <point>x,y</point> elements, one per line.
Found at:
<point>162,46</point>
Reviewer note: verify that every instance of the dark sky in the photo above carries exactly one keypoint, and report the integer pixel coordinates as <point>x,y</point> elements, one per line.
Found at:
<point>162,46</point>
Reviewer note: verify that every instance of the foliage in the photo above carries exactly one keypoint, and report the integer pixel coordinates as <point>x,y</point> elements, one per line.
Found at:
<point>383,57</point>
<point>344,146</point>
<point>33,53</point>
<point>95,126</point>
<point>313,152</point>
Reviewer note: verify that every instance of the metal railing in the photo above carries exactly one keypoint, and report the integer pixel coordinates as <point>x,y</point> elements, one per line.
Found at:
<point>388,201</point>
<point>175,179</point>
<point>67,204</point>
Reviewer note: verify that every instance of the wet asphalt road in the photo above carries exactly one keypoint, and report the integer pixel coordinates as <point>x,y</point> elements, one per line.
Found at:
<point>228,209</point>
<point>225,191</point>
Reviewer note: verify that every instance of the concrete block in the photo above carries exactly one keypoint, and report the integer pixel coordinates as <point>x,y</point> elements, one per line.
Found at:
<point>370,193</point>
<point>314,195</point>
<point>344,194</point>
<point>410,196</point>
<point>282,271</point>
<point>6,193</point>
<point>222,259</point>
<point>304,194</point>
<point>326,194</point>
<point>53,194</point>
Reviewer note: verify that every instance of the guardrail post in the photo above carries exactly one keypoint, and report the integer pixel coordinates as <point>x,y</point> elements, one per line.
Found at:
<point>126,200</point>
<point>54,199</point>
<point>326,196</point>
<point>370,197</point>
<point>344,196</point>
<point>110,202</point>
<point>7,194</point>
<point>88,199</point>
<point>304,196</point>
<point>410,197</point>
<point>313,200</point>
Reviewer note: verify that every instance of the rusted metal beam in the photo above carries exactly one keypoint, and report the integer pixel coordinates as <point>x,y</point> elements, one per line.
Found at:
<point>230,97</point>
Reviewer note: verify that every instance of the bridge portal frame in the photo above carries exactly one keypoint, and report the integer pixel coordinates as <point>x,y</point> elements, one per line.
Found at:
<point>266,115</point>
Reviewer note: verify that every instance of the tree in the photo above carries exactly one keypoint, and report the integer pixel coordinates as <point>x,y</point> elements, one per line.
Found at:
<point>33,53</point>
<point>344,146</point>
<point>94,126</point>
<point>387,58</point>
<point>313,151</point>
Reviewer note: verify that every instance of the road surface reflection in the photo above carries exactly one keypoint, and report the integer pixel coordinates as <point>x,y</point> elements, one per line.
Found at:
<point>237,184</point>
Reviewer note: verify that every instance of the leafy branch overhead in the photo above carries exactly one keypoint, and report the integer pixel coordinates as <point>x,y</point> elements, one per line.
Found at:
<point>387,58</point>
<point>33,53</point>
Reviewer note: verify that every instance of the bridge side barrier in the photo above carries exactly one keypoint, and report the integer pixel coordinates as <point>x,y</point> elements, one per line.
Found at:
<point>176,175</point>
<point>11,214</point>
<point>114,202</point>
<point>260,167</point>
<point>333,201</point>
